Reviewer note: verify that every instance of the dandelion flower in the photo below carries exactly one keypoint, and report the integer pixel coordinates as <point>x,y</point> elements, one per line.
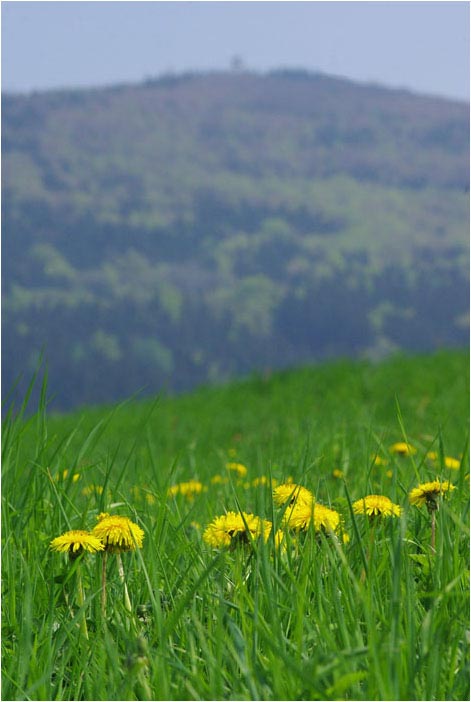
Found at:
<point>232,528</point>
<point>337,473</point>
<point>65,473</point>
<point>188,489</point>
<point>143,493</point>
<point>449,462</point>
<point>238,468</point>
<point>291,493</point>
<point>219,480</point>
<point>428,493</point>
<point>76,542</point>
<point>279,539</point>
<point>379,461</point>
<point>263,480</point>
<point>376,506</point>
<point>402,449</point>
<point>92,490</point>
<point>118,533</point>
<point>302,515</point>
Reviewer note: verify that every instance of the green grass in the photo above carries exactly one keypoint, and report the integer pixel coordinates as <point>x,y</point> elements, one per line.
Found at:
<point>379,617</point>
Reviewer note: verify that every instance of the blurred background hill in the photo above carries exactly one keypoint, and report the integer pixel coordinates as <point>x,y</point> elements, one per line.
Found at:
<point>199,226</point>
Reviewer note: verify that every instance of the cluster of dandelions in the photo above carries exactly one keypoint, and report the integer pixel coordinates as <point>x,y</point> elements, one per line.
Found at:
<point>193,488</point>
<point>235,528</point>
<point>302,512</point>
<point>112,534</point>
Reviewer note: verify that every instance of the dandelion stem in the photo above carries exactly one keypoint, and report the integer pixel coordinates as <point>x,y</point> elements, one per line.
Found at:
<point>80,602</point>
<point>372,524</point>
<point>127,601</point>
<point>103,585</point>
<point>433,524</point>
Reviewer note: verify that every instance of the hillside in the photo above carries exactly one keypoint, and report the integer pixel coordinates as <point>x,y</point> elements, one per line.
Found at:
<point>313,404</point>
<point>333,603</point>
<point>195,227</point>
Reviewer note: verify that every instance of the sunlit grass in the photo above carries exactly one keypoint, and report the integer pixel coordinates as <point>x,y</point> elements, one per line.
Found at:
<point>380,615</point>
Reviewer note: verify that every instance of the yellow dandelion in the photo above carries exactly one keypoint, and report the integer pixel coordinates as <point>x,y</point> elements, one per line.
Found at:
<point>302,515</point>
<point>238,468</point>
<point>337,473</point>
<point>280,539</point>
<point>188,489</point>
<point>219,480</point>
<point>402,449</point>
<point>118,533</point>
<point>92,490</point>
<point>379,461</point>
<point>232,528</point>
<point>428,493</point>
<point>449,461</point>
<point>142,493</point>
<point>291,493</point>
<point>262,480</point>
<point>76,542</point>
<point>65,473</point>
<point>376,506</point>
<point>135,492</point>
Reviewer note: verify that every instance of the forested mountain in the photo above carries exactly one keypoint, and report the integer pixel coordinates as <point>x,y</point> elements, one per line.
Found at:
<point>194,227</point>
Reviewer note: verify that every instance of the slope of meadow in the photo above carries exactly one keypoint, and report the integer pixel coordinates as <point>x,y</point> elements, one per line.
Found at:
<point>374,609</point>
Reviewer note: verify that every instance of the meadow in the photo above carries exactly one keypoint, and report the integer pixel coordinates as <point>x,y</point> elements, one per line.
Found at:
<point>339,605</point>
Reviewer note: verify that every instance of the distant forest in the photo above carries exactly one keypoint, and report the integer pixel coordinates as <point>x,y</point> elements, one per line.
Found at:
<point>197,227</point>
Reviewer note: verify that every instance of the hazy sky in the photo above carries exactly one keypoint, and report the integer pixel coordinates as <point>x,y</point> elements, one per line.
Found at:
<point>423,46</point>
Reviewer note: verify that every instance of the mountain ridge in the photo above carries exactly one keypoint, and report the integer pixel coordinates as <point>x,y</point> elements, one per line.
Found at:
<point>159,224</point>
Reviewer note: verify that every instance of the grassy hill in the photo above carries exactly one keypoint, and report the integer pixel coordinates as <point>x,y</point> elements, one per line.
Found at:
<point>337,397</point>
<point>376,609</point>
<point>194,227</point>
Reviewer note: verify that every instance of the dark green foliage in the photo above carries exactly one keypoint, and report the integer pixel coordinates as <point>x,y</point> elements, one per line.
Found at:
<point>199,226</point>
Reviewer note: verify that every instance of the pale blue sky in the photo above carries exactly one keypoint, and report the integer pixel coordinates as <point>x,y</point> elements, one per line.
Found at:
<point>422,46</point>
